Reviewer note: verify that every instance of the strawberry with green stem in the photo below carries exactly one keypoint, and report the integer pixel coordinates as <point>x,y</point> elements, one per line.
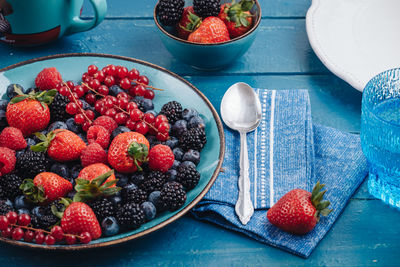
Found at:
<point>188,23</point>
<point>237,17</point>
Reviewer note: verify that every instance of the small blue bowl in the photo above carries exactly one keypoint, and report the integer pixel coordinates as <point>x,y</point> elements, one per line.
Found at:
<point>208,56</point>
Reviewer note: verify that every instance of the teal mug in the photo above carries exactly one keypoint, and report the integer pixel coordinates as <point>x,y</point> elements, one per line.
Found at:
<point>35,22</point>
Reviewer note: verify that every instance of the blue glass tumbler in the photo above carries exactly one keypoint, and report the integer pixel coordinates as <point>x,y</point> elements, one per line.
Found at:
<point>380,135</point>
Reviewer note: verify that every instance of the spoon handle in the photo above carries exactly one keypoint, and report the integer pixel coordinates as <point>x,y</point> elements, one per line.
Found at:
<point>244,206</point>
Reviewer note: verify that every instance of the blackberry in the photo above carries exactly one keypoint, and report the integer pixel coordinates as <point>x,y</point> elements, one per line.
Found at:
<point>137,196</point>
<point>170,11</point>
<point>32,163</point>
<point>173,111</point>
<point>130,216</point>
<point>206,8</point>
<point>4,207</point>
<point>45,218</point>
<point>154,182</point>
<point>194,138</point>
<point>102,207</point>
<point>9,185</point>
<point>57,108</point>
<point>188,176</point>
<point>173,196</point>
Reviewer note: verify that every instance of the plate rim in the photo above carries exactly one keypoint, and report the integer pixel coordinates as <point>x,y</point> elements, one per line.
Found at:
<point>318,49</point>
<point>169,220</point>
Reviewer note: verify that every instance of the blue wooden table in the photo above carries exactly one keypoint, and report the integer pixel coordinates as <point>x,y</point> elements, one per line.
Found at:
<point>368,231</point>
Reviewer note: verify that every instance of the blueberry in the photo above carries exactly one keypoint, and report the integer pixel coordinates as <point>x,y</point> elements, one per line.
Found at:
<point>19,153</point>
<point>72,126</point>
<point>172,175</point>
<point>152,140</point>
<point>3,119</point>
<point>137,178</point>
<point>30,142</point>
<point>178,153</point>
<point>3,104</point>
<point>119,130</point>
<point>21,202</point>
<point>122,179</point>
<point>186,163</point>
<point>115,90</point>
<point>75,171</point>
<point>71,194</point>
<point>23,211</point>
<point>175,165</point>
<point>37,211</point>
<point>192,155</point>
<point>154,198</point>
<point>85,105</point>
<point>57,125</point>
<point>172,142</point>
<point>115,199</point>
<point>110,226</point>
<point>149,210</point>
<point>179,127</point>
<point>11,90</point>
<point>147,104</point>
<point>188,113</point>
<point>31,89</point>
<point>129,188</point>
<point>60,169</point>
<point>9,203</point>
<point>196,121</point>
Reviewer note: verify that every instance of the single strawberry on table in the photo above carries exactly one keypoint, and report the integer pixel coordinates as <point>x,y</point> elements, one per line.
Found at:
<point>45,187</point>
<point>188,23</point>
<point>30,112</point>
<point>212,30</point>
<point>237,17</point>
<point>128,151</point>
<point>61,145</point>
<point>298,211</point>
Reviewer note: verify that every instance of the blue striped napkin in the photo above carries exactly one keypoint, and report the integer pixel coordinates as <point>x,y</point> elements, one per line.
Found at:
<point>285,152</point>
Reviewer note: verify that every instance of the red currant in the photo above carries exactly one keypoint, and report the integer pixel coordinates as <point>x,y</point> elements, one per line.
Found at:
<point>99,75</point>
<point>70,84</point>
<point>70,239</point>
<point>162,137</point>
<point>133,74</point>
<point>64,91</point>
<point>58,86</point>
<point>123,95</point>
<point>131,91</point>
<point>111,70</point>
<point>122,72</point>
<point>123,102</point>
<point>130,124</point>
<point>3,223</point>
<point>87,79</point>
<point>108,103</point>
<point>90,114</point>
<point>73,96</point>
<point>163,127</point>
<point>135,115</point>
<point>149,94</point>
<point>140,90</point>
<point>17,233</point>
<point>149,118</point>
<point>39,237</point>
<point>94,84</point>
<point>141,127</point>
<point>85,75</point>
<point>103,90</point>
<point>125,84</point>
<point>143,79</point>
<point>109,81</point>
<point>24,219</point>
<point>111,112</point>
<point>113,99</point>
<point>131,106</point>
<point>29,236</point>
<point>86,126</point>
<point>79,119</point>
<point>79,91</point>
<point>49,240</point>
<point>121,118</point>
<point>57,233</point>
<point>160,119</point>
<point>92,69</point>
<point>7,233</point>
<point>98,105</point>
<point>90,98</point>
<point>12,217</point>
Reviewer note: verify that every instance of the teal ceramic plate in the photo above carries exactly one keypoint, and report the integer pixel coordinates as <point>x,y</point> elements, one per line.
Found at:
<point>71,67</point>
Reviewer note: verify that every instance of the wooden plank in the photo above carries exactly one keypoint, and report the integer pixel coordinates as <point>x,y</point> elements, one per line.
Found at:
<point>362,236</point>
<point>144,9</point>
<point>281,47</point>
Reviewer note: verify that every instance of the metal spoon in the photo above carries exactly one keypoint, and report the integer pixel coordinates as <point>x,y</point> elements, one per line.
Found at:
<point>241,111</point>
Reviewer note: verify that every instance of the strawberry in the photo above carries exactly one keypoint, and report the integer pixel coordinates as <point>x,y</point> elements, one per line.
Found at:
<point>61,145</point>
<point>93,153</point>
<point>48,79</point>
<point>7,160</point>
<point>237,17</point>
<point>79,218</point>
<point>95,170</point>
<point>161,158</point>
<point>98,134</point>
<point>46,187</point>
<point>188,23</point>
<point>107,122</point>
<point>30,113</point>
<point>127,151</point>
<point>12,138</point>
<point>298,211</point>
<point>212,30</point>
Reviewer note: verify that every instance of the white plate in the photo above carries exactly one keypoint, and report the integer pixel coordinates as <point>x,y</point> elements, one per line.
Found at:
<point>355,39</point>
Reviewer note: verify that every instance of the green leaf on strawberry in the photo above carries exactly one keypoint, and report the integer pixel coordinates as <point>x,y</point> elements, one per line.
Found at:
<point>139,153</point>
<point>33,193</point>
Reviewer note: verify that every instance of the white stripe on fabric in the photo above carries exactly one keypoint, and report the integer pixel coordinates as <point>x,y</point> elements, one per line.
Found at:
<point>271,150</point>
<point>255,162</point>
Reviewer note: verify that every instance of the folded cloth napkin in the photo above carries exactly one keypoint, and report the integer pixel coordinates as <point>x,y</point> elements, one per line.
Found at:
<point>285,152</point>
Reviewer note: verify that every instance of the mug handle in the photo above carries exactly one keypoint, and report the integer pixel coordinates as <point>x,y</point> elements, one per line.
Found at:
<point>80,25</point>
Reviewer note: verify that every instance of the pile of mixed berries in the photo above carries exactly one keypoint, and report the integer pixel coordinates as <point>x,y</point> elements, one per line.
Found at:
<point>207,21</point>
<point>81,161</point>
